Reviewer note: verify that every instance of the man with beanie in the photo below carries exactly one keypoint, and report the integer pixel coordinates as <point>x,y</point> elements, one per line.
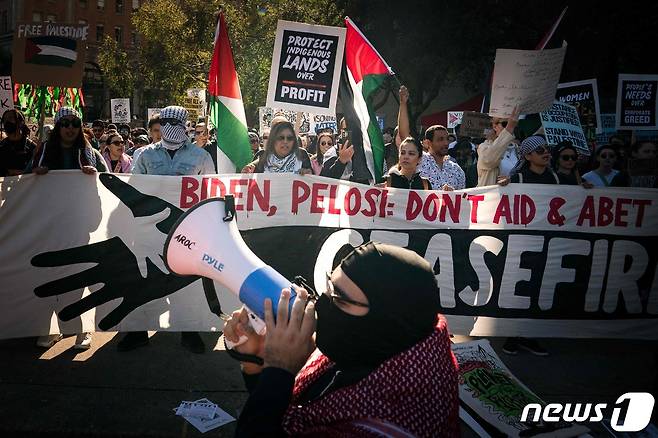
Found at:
<point>174,154</point>
<point>383,361</point>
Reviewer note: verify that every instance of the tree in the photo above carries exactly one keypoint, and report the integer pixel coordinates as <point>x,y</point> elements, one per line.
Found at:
<point>113,62</point>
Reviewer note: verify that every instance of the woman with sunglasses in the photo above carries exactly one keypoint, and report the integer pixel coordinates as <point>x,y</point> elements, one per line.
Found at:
<point>383,365</point>
<point>16,149</point>
<point>602,176</point>
<point>533,166</point>
<point>325,141</point>
<point>565,164</point>
<point>67,147</point>
<point>497,150</point>
<point>282,153</point>
<point>115,154</point>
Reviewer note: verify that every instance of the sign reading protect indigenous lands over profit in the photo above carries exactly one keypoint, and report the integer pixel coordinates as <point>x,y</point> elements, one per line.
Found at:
<point>584,96</point>
<point>636,102</point>
<point>49,54</point>
<point>578,263</point>
<point>120,110</point>
<point>306,67</point>
<point>561,123</point>
<point>6,94</point>
<point>492,393</point>
<point>527,78</point>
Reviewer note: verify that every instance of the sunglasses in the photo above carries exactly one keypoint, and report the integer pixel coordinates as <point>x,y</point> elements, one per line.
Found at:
<point>118,142</point>
<point>541,151</point>
<point>606,156</point>
<point>326,143</point>
<point>253,141</point>
<point>285,138</point>
<point>568,157</point>
<point>65,123</point>
<point>336,294</point>
<point>172,121</point>
<point>265,137</point>
<point>198,132</point>
<point>503,123</point>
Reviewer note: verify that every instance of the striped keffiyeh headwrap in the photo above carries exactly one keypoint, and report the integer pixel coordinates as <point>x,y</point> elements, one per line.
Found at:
<point>528,146</point>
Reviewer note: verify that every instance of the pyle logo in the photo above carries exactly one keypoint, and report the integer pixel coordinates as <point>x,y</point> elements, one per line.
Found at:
<point>636,407</point>
<point>213,262</point>
<point>184,241</point>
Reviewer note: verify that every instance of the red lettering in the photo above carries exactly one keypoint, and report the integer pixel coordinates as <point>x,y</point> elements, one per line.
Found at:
<point>188,197</point>
<point>235,183</point>
<point>503,209</point>
<point>333,194</point>
<point>474,206</point>
<point>262,198</point>
<point>452,207</point>
<point>204,188</point>
<point>517,208</point>
<point>216,183</point>
<point>641,203</point>
<point>371,200</point>
<point>383,203</point>
<point>297,196</point>
<point>414,205</point>
<point>316,198</point>
<point>431,201</point>
<point>528,209</point>
<point>587,212</point>
<point>620,212</point>
<point>605,211</point>
<point>356,194</point>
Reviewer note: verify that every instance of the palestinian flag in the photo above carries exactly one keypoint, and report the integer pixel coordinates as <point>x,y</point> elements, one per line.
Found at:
<point>51,51</point>
<point>226,108</point>
<point>366,70</point>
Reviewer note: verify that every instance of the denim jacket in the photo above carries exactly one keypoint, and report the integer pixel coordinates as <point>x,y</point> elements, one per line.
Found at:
<point>189,160</point>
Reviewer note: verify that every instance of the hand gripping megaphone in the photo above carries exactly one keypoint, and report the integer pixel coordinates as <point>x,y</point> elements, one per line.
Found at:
<point>205,241</point>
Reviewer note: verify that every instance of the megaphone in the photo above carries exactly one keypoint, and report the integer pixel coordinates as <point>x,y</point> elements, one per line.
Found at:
<point>205,241</point>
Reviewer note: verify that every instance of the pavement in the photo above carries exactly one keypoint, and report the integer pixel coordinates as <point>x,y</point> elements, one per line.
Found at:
<point>101,392</point>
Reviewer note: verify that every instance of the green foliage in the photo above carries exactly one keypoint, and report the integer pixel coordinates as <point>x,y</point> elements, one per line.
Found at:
<point>114,64</point>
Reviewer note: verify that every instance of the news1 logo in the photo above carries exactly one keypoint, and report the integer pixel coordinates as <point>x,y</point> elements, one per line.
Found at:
<point>639,406</point>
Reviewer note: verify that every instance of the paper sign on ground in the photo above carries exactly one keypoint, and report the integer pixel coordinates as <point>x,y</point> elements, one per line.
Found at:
<point>527,78</point>
<point>561,123</point>
<point>306,66</point>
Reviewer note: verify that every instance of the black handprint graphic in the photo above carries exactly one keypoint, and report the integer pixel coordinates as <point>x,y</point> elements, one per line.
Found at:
<point>117,267</point>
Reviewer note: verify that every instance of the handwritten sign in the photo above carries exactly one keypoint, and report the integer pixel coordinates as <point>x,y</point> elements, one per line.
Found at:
<point>120,110</point>
<point>6,94</point>
<point>527,78</point>
<point>561,123</point>
<point>152,112</point>
<point>474,124</point>
<point>636,102</point>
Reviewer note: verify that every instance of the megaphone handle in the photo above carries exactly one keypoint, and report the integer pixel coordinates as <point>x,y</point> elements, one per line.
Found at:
<point>256,323</point>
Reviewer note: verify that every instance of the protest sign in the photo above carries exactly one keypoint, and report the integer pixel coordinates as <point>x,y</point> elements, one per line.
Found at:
<point>6,94</point>
<point>636,102</point>
<point>584,96</point>
<point>489,391</point>
<point>473,124</point>
<point>152,112</point>
<point>195,104</point>
<point>561,123</point>
<point>454,118</point>
<point>309,123</point>
<point>527,78</point>
<point>49,53</point>
<point>120,110</point>
<point>578,263</point>
<point>323,122</point>
<point>306,67</point>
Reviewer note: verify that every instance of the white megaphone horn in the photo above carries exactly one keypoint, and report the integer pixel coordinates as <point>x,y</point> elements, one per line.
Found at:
<point>205,241</point>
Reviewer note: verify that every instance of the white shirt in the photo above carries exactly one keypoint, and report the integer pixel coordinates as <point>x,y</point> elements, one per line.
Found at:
<point>450,174</point>
<point>594,178</point>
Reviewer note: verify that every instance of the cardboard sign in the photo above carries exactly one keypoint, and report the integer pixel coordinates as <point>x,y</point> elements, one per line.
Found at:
<point>120,110</point>
<point>561,123</point>
<point>306,67</point>
<point>49,53</point>
<point>636,102</point>
<point>454,118</point>
<point>584,96</point>
<point>527,78</point>
<point>6,94</point>
<point>152,112</point>
<point>473,124</point>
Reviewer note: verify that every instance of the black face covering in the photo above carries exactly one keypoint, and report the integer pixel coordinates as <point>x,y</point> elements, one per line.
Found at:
<point>10,127</point>
<point>403,306</point>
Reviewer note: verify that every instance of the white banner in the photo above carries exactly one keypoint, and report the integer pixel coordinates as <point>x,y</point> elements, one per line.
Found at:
<point>120,110</point>
<point>516,260</point>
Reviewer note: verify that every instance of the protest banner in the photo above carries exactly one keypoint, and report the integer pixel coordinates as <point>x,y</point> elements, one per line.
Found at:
<point>454,118</point>
<point>152,112</point>
<point>48,53</point>
<point>561,123</point>
<point>584,96</point>
<point>473,124</point>
<point>527,78</point>
<point>490,392</point>
<point>306,67</point>
<point>6,94</point>
<point>120,110</point>
<point>578,263</point>
<point>636,102</point>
